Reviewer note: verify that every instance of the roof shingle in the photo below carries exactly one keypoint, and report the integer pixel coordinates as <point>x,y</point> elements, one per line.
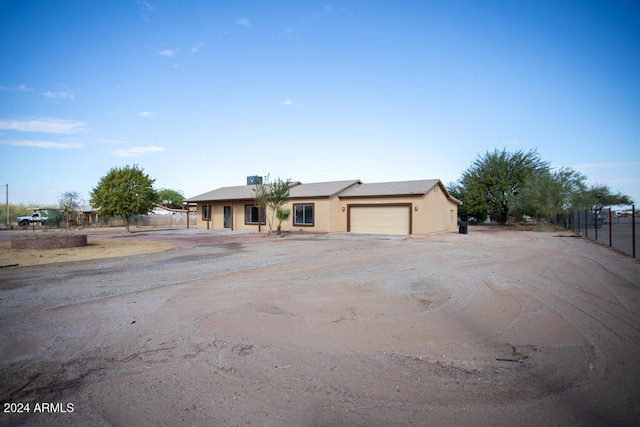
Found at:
<point>349,188</point>
<point>399,188</point>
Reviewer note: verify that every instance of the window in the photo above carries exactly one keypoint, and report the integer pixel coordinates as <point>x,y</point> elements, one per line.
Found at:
<point>254,215</point>
<point>303,215</point>
<point>206,212</point>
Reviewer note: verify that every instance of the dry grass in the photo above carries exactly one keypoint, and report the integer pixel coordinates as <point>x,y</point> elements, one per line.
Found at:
<point>95,250</point>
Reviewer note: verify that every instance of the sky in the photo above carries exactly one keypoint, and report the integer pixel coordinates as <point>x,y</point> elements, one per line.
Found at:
<point>202,94</point>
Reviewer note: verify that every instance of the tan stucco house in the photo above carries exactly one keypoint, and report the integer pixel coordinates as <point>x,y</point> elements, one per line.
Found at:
<point>402,208</point>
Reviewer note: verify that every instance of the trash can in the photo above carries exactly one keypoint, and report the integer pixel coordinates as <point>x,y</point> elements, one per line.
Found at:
<point>464,227</point>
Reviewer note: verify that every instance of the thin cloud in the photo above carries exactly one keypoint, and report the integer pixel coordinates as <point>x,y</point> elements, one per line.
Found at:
<point>147,6</point>
<point>137,151</point>
<point>19,88</point>
<point>198,47</point>
<point>145,114</point>
<point>169,52</point>
<point>43,126</point>
<point>63,93</point>
<point>288,102</point>
<point>245,22</point>
<point>44,144</point>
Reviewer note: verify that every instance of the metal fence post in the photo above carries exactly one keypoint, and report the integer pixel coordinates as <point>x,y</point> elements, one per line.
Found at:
<point>633,230</point>
<point>586,223</point>
<point>610,227</point>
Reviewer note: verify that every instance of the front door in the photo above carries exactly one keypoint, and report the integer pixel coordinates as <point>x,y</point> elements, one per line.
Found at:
<point>227,217</point>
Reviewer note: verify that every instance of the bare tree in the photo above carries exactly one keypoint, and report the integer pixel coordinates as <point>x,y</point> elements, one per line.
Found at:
<point>70,202</point>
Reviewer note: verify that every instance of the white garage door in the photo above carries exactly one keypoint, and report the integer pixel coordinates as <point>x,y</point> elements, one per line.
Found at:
<point>380,219</point>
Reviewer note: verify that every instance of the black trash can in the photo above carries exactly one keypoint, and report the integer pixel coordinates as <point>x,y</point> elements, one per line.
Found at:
<point>464,227</point>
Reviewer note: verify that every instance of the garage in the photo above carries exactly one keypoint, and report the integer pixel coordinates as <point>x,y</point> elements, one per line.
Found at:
<point>379,219</point>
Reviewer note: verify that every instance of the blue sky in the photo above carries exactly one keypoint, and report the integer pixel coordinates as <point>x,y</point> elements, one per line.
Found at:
<point>201,94</point>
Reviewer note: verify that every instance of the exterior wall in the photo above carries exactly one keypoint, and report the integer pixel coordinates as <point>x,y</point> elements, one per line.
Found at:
<point>441,214</point>
<point>321,215</point>
<point>431,213</point>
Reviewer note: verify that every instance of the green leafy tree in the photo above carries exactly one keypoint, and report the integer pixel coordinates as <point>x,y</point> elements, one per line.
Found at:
<point>70,202</point>
<point>273,195</point>
<point>474,204</point>
<point>126,192</point>
<point>598,196</point>
<point>15,210</point>
<point>549,193</point>
<point>54,217</point>
<point>170,198</point>
<point>492,184</point>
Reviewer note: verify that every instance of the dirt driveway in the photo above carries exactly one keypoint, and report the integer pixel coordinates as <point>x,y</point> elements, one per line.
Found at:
<point>497,327</point>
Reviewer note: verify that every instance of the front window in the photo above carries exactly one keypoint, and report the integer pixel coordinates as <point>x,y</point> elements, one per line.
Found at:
<point>254,215</point>
<point>303,215</point>
<point>206,213</point>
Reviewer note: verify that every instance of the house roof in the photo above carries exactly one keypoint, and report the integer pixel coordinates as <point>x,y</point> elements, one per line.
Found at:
<point>322,189</point>
<point>349,188</point>
<point>239,192</point>
<point>297,190</point>
<point>399,188</point>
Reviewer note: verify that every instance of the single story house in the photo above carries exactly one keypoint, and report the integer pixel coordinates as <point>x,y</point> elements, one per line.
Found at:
<point>401,208</point>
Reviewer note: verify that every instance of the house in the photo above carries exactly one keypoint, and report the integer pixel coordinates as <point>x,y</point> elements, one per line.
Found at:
<point>401,208</point>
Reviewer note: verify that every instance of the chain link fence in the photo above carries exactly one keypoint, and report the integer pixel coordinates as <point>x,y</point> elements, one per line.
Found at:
<point>615,229</point>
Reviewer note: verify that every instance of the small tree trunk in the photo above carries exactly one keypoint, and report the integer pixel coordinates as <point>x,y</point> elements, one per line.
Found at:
<point>126,223</point>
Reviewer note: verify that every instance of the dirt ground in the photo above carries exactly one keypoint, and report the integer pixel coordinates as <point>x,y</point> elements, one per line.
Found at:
<point>497,327</point>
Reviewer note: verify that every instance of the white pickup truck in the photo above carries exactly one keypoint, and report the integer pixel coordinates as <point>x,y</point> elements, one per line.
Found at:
<point>34,218</point>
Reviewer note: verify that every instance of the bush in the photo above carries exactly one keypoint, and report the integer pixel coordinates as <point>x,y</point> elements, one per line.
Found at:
<point>54,218</point>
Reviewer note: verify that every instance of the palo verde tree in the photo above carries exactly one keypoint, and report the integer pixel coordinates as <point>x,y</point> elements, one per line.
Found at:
<point>170,198</point>
<point>597,196</point>
<point>273,195</point>
<point>551,192</point>
<point>492,184</point>
<point>125,191</point>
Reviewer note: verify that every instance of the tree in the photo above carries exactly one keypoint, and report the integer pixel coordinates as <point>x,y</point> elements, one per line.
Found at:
<point>54,217</point>
<point>124,191</point>
<point>492,184</point>
<point>552,192</point>
<point>170,198</point>
<point>70,202</point>
<point>474,204</point>
<point>282,215</point>
<point>273,195</point>
<point>598,196</point>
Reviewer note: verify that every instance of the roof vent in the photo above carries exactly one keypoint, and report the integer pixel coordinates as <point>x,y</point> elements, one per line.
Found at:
<point>253,180</point>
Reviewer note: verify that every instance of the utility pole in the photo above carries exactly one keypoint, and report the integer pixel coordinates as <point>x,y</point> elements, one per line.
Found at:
<point>7,207</point>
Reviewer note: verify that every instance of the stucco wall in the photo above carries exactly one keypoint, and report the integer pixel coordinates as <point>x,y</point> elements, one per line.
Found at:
<point>441,214</point>
<point>322,214</point>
